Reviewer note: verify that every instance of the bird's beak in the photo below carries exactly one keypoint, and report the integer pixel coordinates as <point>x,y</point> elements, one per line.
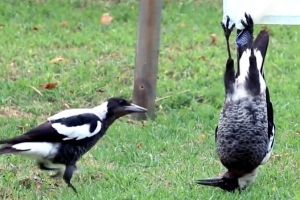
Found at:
<point>134,109</point>
<point>215,182</point>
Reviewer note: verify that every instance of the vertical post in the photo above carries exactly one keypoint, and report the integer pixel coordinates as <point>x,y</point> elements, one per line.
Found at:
<point>146,57</point>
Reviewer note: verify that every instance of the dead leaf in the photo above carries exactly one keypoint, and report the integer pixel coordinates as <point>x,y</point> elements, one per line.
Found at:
<point>203,58</point>
<point>35,28</point>
<point>213,39</point>
<point>64,24</point>
<point>1,26</point>
<point>49,86</point>
<point>106,19</point>
<point>56,60</point>
<point>38,186</point>
<point>100,90</point>
<point>139,145</point>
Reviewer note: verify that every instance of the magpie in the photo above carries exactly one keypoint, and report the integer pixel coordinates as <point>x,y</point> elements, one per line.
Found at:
<point>245,133</point>
<point>59,142</point>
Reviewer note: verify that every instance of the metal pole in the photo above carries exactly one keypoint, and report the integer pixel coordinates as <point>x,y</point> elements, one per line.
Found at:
<point>146,58</point>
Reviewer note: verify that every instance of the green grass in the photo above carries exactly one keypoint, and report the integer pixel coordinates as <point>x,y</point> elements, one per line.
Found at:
<point>159,159</point>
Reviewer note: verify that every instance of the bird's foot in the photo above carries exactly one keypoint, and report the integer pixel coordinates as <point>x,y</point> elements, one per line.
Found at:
<point>247,23</point>
<point>226,27</point>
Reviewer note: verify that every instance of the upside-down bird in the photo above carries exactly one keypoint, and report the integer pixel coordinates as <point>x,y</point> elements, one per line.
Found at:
<point>65,137</point>
<point>245,132</point>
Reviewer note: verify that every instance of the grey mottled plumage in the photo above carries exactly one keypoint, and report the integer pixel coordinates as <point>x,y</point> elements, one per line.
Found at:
<point>245,132</point>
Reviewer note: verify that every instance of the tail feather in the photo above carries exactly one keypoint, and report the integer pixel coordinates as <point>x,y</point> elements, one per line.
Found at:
<point>8,149</point>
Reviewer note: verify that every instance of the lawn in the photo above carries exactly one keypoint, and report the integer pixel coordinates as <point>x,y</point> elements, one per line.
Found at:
<point>64,42</point>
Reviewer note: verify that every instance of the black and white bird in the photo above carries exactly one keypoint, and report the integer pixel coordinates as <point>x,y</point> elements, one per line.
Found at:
<point>245,132</point>
<point>65,137</point>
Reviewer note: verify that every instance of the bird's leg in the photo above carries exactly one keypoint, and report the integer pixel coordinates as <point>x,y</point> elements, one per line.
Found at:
<point>68,175</point>
<point>229,76</point>
<point>60,173</point>
<point>227,31</point>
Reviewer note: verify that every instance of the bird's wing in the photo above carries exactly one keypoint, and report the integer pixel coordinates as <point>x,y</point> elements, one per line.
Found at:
<point>271,124</point>
<point>74,127</point>
<point>261,44</point>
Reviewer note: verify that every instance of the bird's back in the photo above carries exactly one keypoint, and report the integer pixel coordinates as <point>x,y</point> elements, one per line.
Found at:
<point>242,135</point>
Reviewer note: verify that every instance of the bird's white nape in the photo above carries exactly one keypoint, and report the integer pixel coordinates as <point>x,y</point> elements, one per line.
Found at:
<point>247,179</point>
<point>101,110</point>
<point>38,150</point>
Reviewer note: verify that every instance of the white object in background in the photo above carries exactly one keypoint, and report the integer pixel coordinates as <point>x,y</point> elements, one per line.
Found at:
<point>285,12</point>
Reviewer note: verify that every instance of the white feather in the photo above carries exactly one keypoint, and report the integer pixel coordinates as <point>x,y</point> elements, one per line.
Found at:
<point>38,150</point>
<point>270,147</point>
<point>76,132</point>
<point>247,179</point>
<point>244,63</point>
<point>100,111</point>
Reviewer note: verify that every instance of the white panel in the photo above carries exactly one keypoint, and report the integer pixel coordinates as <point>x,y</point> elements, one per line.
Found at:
<point>285,12</point>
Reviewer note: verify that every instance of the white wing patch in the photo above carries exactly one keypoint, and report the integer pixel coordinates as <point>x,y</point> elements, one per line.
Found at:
<point>38,150</point>
<point>76,132</point>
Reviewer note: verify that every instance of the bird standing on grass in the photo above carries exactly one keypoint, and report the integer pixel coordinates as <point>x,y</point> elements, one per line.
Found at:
<point>246,130</point>
<point>59,143</point>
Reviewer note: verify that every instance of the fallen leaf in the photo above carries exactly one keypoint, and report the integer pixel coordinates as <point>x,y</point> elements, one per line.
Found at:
<point>1,26</point>
<point>64,24</point>
<point>100,90</point>
<point>203,58</point>
<point>213,39</point>
<point>139,145</point>
<point>38,186</point>
<point>35,28</point>
<point>49,86</point>
<point>106,19</point>
<point>56,60</point>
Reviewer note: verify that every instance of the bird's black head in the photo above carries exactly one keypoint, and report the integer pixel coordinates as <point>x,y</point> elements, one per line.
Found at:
<point>119,107</point>
<point>228,184</point>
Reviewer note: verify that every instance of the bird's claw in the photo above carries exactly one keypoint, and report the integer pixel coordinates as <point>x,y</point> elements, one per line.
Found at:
<point>248,24</point>
<point>226,28</point>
